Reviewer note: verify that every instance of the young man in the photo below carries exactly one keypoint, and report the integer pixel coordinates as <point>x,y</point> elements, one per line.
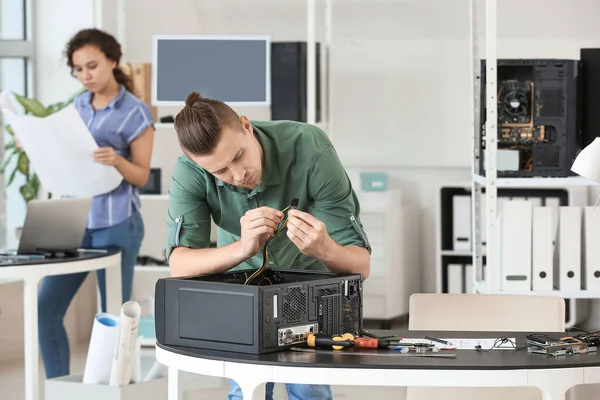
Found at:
<point>243,174</point>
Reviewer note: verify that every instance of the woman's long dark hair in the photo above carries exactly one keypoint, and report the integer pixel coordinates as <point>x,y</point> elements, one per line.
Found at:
<point>107,44</point>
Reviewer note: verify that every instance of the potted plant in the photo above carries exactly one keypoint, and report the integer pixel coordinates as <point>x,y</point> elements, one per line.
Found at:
<point>30,189</point>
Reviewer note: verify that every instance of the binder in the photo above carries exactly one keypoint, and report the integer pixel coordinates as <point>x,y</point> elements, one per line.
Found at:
<point>461,225</point>
<point>455,278</point>
<point>543,247</point>
<point>591,249</point>
<point>469,288</point>
<point>569,248</point>
<point>515,248</point>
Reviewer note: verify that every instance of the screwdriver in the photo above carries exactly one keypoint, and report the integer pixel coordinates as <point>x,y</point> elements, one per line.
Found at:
<point>347,340</point>
<point>373,343</point>
<point>330,342</point>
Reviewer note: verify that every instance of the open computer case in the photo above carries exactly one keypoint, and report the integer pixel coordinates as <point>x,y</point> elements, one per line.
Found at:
<point>221,312</point>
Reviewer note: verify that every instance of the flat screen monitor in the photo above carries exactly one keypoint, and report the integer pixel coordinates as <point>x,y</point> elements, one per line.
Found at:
<point>233,69</point>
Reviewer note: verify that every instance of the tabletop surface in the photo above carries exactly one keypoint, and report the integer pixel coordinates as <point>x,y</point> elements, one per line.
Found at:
<point>498,359</point>
<point>81,256</point>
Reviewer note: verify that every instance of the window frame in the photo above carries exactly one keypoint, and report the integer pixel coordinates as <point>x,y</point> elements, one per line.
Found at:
<point>25,49</point>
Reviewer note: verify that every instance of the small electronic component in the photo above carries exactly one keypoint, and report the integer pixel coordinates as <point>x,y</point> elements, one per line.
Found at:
<point>544,344</point>
<point>295,334</point>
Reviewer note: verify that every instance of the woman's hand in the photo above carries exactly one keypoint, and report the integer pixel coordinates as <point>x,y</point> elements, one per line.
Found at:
<point>107,156</point>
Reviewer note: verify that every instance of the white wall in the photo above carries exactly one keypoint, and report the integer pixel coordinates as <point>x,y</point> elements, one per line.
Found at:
<point>56,22</point>
<point>400,70</point>
<point>401,95</point>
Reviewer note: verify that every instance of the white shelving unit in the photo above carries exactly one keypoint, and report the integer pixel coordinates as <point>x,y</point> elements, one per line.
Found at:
<point>491,182</point>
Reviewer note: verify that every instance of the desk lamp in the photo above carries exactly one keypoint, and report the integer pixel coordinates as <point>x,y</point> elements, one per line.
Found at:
<point>587,163</point>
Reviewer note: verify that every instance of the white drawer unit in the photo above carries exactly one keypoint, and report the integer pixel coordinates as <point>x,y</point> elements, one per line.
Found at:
<point>394,233</point>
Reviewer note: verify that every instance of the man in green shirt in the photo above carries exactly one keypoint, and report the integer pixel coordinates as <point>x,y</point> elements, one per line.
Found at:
<point>242,174</point>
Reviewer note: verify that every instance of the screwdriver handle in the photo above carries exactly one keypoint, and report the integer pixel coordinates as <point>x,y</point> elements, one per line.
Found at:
<point>329,342</point>
<point>366,343</point>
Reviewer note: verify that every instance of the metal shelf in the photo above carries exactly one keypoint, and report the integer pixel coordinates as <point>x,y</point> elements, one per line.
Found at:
<point>535,182</point>
<point>456,253</point>
<point>480,287</point>
<point>491,182</point>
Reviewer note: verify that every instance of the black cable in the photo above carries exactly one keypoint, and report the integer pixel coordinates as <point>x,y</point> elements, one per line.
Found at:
<point>499,342</point>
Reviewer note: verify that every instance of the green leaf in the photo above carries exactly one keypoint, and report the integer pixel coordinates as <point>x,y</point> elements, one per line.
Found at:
<point>10,130</point>
<point>12,176</point>
<point>55,107</point>
<point>4,165</point>
<point>23,163</point>
<point>32,106</point>
<point>10,145</point>
<point>29,190</point>
<point>6,161</point>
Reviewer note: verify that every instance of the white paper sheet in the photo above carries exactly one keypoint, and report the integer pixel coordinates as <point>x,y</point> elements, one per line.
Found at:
<point>122,364</point>
<point>60,148</point>
<point>136,368</point>
<point>105,333</point>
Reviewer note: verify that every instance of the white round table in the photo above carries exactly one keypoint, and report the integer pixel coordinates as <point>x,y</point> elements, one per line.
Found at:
<point>32,271</point>
<point>554,376</point>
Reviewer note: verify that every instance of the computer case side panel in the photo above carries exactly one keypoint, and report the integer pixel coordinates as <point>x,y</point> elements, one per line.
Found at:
<point>212,315</point>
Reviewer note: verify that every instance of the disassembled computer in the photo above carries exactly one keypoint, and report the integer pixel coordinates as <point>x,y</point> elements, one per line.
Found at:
<point>273,313</point>
<point>539,117</point>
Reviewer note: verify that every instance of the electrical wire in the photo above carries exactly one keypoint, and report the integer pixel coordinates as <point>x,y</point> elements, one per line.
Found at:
<point>265,263</point>
<point>499,342</point>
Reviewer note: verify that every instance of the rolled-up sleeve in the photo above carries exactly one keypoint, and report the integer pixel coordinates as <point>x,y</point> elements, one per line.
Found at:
<point>335,203</point>
<point>188,222</point>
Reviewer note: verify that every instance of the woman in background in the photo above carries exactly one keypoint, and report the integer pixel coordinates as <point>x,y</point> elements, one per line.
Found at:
<point>123,128</point>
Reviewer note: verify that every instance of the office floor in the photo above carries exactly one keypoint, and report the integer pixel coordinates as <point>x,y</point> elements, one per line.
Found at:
<point>195,387</point>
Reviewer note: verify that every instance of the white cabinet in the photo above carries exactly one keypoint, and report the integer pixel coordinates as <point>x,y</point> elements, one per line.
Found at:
<point>394,232</point>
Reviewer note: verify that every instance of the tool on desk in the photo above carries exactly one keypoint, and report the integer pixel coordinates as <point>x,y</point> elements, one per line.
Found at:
<point>378,352</point>
<point>347,340</point>
<point>444,342</point>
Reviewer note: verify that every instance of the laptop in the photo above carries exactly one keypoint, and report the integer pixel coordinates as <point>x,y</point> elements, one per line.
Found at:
<point>54,225</point>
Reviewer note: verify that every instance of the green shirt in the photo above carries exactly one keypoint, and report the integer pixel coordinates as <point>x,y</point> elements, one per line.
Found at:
<point>300,161</point>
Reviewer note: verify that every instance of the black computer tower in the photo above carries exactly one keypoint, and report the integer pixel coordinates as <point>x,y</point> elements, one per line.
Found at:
<point>220,312</point>
<point>590,94</point>
<point>538,117</point>
<point>288,81</point>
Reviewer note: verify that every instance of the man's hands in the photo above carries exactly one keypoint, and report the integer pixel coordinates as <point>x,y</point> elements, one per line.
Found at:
<point>308,234</point>
<point>107,156</point>
<point>257,226</point>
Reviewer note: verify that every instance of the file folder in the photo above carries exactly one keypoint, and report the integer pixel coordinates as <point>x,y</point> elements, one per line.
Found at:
<point>591,249</point>
<point>515,254</point>
<point>569,247</point>
<point>543,247</point>
<point>461,216</point>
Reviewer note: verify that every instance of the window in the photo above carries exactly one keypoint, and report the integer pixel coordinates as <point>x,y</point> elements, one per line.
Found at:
<point>16,66</point>
<point>12,20</point>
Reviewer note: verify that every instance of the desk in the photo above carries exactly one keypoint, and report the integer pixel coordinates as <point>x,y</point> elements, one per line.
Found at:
<point>471,368</point>
<point>31,272</point>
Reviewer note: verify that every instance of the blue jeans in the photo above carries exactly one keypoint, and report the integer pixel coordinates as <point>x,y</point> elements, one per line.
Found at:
<point>295,391</point>
<point>57,292</point>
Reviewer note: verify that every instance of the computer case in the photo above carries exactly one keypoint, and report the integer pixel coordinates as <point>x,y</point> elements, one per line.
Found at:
<point>538,117</point>
<point>288,81</point>
<point>590,73</point>
<point>220,312</point>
